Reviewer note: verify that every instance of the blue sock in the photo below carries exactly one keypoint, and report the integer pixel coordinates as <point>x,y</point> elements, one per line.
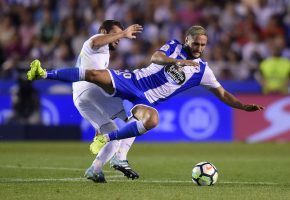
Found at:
<point>130,130</point>
<point>65,74</point>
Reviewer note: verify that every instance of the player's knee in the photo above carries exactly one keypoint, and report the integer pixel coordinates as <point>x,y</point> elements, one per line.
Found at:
<point>148,116</point>
<point>152,120</point>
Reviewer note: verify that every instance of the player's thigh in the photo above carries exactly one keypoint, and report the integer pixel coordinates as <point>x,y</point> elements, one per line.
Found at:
<point>101,78</point>
<point>91,113</point>
<point>97,108</point>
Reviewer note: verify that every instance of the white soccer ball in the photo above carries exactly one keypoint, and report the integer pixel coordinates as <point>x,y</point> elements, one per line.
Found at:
<point>204,174</point>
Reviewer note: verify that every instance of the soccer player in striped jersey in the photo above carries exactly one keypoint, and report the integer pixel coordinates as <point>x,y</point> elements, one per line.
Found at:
<point>175,67</point>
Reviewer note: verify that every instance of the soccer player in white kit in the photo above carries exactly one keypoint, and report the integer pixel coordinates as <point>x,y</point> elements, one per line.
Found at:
<point>97,108</point>
<point>175,67</point>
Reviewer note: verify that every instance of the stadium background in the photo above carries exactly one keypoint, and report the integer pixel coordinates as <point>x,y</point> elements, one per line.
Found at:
<point>241,34</point>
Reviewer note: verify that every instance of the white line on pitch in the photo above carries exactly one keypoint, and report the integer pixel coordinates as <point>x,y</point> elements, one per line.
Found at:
<point>180,181</point>
<point>112,179</point>
<point>2,180</point>
<point>49,168</point>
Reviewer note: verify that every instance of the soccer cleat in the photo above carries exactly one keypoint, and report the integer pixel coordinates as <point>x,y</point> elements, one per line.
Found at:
<point>36,72</point>
<point>124,167</point>
<point>98,143</point>
<point>97,177</point>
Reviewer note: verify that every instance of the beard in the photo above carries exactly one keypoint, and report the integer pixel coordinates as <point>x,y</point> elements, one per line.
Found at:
<point>189,52</point>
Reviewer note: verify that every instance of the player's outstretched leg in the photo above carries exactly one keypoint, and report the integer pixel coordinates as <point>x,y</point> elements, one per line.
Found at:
<point>101,78</point>
<point>130,130</point>
<point>97,177</point>
<point>147,119</point>
<point>68,74</point>
<point>124,167</point>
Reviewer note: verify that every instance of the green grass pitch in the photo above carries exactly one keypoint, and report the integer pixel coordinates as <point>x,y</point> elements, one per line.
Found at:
<point>54,170</point>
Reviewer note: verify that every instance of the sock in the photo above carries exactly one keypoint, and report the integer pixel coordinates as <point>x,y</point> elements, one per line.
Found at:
<point>105,155</point>
<point>72,74</point>
<point>97,165</point>
<point>108,151</point>
<point>130,130</point>
<point>124,148</point>
<point>125,144</point>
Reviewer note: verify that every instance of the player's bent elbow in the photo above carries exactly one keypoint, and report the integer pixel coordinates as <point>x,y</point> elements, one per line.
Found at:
<point>153,60</point>
<point>155,57</point>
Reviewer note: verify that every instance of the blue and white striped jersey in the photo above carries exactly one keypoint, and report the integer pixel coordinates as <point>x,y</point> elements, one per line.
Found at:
<point>156,83</point>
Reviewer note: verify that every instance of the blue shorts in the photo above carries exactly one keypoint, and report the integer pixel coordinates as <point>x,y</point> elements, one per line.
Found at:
<point>126,87</point>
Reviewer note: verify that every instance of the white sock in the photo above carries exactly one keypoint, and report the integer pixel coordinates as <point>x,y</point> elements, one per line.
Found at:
<point>141,128</point>
<point>108,151</point>
<point>124,148</point>
<point>126,144</point>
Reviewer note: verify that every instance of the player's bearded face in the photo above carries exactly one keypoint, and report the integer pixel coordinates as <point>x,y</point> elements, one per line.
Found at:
<point>114,45</point>
<point>196,44</point>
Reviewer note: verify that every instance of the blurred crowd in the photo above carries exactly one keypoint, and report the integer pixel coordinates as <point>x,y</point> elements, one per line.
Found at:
<point>242,33</point>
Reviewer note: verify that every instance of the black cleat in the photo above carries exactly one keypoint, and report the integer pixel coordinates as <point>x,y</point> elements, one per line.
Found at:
<point>124,167</point>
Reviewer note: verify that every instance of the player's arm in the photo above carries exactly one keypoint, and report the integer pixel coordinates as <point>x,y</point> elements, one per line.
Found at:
<point>232,101</point>
<point>209,80</point>
<point>161,58</point>
<point>107,38</point>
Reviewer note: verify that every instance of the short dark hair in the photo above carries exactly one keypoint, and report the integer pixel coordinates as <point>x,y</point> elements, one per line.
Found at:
<point>108,25</point>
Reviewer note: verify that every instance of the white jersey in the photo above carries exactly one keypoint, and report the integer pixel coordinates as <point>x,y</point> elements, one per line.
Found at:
<point>90,59</point>
<point>91,101</point>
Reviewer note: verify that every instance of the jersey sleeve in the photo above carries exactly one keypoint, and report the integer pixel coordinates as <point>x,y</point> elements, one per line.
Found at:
<point>169,47</point>
<point>208,79</point>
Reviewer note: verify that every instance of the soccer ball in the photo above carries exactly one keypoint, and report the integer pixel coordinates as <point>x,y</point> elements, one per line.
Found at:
<point>204,174</point>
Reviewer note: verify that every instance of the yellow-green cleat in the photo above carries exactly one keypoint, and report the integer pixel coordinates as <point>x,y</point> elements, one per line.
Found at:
<point>36,72</point>
<point>98,143</point>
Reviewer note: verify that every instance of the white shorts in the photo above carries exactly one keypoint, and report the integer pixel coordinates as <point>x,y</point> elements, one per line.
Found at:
<point>97,108</point>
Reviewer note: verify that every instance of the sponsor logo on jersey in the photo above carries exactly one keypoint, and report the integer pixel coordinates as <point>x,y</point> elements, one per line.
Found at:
<point>175,73</point>
<point>165,47</point>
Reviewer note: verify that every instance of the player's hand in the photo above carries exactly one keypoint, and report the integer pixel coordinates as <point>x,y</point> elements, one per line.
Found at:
<point>131,31</point>
<point>182,63</point>
<point>252,107</point>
